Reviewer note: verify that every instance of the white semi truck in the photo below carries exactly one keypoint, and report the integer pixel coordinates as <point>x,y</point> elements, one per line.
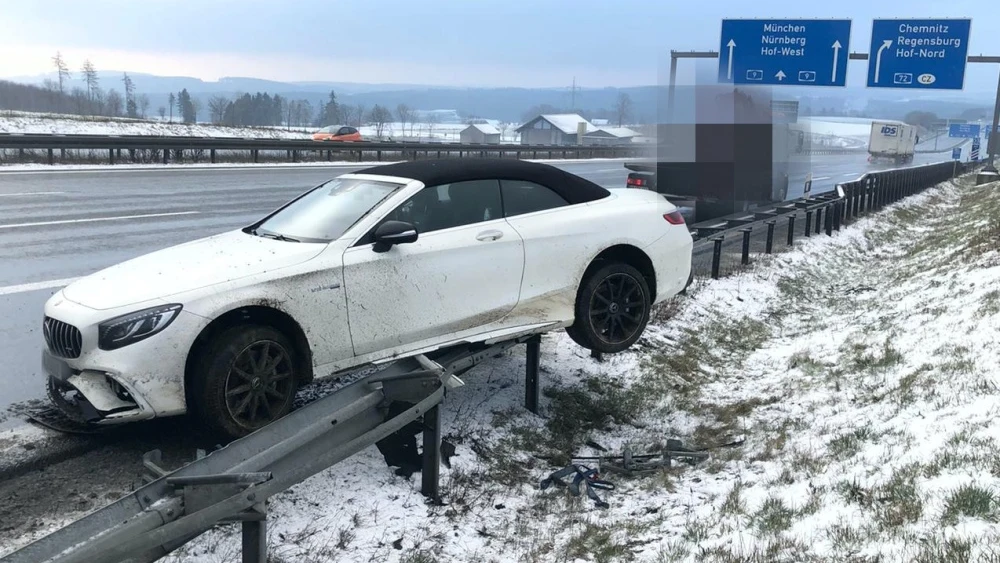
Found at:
<point>892,140</point>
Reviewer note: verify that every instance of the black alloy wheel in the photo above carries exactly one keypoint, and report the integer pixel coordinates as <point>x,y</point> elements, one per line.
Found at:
<point>612,309</point>
<point>616,308</point>
<point>259,384</point>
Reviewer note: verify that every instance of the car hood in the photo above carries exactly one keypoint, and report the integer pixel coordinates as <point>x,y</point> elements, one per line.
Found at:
<point>185,267</point>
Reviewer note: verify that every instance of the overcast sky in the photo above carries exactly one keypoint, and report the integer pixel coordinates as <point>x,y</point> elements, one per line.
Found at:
<point>443,42</point>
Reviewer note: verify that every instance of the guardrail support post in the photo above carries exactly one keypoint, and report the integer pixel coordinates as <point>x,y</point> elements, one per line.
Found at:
<point>819,217</point>
<point>212,155</point>
<point>829,219</point>
<point>255,540</point>
<point>111,156</point>
<point>838,214</point>
<point>791,229</point>
<point>429,477</point>
<point>770,237</point>
<point>51,157</point>
<point>716,257</point>
<point>531,383</point>
<point>745,258</point>
<point>809,218</point>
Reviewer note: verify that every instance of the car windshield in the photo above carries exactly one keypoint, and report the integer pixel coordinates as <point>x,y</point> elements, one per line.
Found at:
<point>328,211</point>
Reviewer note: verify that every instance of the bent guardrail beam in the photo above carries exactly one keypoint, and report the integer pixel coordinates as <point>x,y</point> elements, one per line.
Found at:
<point>233,483</point>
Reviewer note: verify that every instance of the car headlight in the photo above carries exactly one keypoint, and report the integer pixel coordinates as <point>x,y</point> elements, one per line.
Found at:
<point>133,327</point>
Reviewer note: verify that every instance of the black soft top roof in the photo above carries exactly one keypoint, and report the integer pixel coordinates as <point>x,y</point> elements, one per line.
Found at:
<point>435,172</point>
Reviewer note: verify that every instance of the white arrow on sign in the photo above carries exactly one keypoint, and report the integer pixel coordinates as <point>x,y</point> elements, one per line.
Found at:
<point>836,55</point>
<point>780,76</point>
<point>729,73</point>
<point>878,56</point>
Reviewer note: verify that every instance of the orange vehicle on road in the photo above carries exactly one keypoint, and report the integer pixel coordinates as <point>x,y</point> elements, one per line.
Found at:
<point>337,133</point>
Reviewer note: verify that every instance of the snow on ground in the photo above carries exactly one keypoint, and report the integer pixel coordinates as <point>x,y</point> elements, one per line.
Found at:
<point>16,122</point>
<point>846,391</point>
<point>859,370</point>
<point>64,124</point>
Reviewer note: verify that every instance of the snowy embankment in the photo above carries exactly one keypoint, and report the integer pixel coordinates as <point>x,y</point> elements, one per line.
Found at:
<point>16,122</point>
<point>859,371</point>
<point>846,391</point>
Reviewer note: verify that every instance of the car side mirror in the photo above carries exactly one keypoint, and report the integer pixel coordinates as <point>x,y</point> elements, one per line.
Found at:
<point>393,232</point>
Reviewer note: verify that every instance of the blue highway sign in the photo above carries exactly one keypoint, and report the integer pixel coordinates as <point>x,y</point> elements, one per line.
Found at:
<point>796,52</point>
<point>967,130</point>
<point>956,153</point>
<point>923,54</point>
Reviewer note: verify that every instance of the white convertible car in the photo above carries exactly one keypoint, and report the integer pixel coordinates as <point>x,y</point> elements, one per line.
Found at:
<point>371,266</point>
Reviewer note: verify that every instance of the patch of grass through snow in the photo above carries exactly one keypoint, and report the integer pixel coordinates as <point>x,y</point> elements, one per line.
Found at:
<point>971,501</point>
<point>893,504</point>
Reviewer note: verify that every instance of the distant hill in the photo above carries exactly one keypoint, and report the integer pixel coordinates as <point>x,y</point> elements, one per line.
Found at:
<point>514,104</point>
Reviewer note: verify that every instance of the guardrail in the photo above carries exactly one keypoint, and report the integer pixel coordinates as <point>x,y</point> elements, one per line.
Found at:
<point>763,228</point>
<point>148,148</point>
<point>233,484</point>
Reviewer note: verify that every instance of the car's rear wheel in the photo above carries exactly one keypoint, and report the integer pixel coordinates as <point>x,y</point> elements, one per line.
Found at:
<point>246,378</point>
<point>612,308</point>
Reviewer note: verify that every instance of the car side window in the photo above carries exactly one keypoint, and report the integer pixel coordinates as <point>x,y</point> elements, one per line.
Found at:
<point>450,205</point>
<point>344,131</point>
<point>520,197</point>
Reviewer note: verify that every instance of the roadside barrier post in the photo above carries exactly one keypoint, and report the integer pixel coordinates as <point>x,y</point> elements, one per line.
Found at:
<point>770,237</point>
<point>716,257</point>
<point>745,259</point>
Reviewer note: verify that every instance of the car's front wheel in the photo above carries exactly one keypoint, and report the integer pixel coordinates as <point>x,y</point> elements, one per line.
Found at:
<point>612,308</point>
<point>246,378</point>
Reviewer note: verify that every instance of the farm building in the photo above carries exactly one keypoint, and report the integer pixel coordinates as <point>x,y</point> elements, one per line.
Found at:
<point>480,134</point>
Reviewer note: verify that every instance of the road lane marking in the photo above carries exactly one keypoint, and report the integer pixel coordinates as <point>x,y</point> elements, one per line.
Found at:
<point>26,287</point>
<point>855,174</point>
<point>818,178</point>
<point>96,219</point>
<point>30,193</point>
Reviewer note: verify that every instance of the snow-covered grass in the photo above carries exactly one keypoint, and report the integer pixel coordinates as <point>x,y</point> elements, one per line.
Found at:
<point>859,371</point>
<point>66,124</point>
<point>19,122</point>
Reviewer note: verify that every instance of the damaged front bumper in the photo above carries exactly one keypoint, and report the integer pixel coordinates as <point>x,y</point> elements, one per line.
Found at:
<point>90,396</point>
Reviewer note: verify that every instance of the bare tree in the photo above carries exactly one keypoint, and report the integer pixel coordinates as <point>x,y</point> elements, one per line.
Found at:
<point>62,69</point>
<point>503,126</point>
<point>359,115</point>
<point>172,98</point>
<point>143,105</point>
<point>623,107</point>
<point>379,116</point>
<point>196,104</point>
<point>115,103</point>
<point>432,119</point>
<point>404,113</point>
<point>162,110</point>
<point>217,108</point>
<point>90,76</point>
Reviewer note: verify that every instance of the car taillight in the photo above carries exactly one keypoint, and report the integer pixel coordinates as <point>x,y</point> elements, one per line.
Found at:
<point>635,182</point>
<point>674,218</point>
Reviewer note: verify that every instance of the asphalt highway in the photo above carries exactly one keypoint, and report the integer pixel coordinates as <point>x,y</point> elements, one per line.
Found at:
<point>60,225</point>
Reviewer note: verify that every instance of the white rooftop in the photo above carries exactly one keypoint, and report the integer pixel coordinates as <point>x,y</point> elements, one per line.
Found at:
<point>620,132</point>
<point>485,128</point>
<point>565,122</point>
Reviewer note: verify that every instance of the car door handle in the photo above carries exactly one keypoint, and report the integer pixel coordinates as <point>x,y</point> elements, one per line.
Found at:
<point>489,235</point>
